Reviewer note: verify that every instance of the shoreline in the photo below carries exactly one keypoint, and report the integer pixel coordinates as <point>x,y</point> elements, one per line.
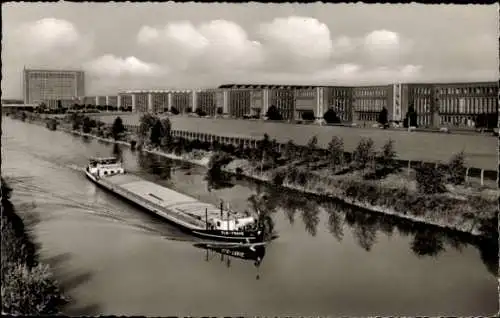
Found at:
<point>471,228</point>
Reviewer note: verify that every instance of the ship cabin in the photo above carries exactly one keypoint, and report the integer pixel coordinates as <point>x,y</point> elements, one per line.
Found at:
<point>236,224</point>
<point>105,166</point>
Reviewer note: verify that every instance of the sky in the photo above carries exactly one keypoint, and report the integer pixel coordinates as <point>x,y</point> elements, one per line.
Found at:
<point>125,46</point>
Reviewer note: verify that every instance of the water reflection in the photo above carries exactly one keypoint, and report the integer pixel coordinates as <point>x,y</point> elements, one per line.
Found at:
<point>426,241</point>
<point>158,166</point>
<point>225,253</point>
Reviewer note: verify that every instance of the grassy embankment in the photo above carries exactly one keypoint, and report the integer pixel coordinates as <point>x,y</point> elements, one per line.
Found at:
<point>28,287</point>
<point>371,179</point>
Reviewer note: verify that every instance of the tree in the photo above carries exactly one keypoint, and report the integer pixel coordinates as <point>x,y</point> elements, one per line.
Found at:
<point>311,150</point>
<point>457,169</point>
<point>86,125</point>
<point>273,113</point>
<point>336,152</point>
<point>220,110</point>
<point>290,151</point>
<point>383,117</point>
<point>145,124</point>
<point>157,133</point>
<point>364,153</point>
<point>410,118</point>
<point>388,154</point>
<point>166,138</point>
<point>117,128</point>
<point>308,115</point>
<point>331,117</point>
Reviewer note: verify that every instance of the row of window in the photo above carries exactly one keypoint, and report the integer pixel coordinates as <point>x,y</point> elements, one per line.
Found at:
<point>52,75</point>
<point>467,90</point>
<point>370,92</point>
<point>468,105</point>
<point>367,116</point>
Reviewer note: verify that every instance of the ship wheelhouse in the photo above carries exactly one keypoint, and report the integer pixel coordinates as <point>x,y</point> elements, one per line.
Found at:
<point>105,166</point>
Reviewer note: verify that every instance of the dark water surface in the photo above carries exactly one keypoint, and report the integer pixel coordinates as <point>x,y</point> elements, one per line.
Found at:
<point>112,258</point>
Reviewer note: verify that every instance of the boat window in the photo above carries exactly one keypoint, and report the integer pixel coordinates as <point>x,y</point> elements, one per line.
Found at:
<point>218,224</point>
<point>105,172</point>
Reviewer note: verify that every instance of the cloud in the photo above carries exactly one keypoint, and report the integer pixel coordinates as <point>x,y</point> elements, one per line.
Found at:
<point>112,66</point>
<point>216,45</point>
<point>48,41</point>
<point>296,42</point>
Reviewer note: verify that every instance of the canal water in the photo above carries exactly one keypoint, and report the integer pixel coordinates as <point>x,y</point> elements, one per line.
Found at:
<point>329,259</point>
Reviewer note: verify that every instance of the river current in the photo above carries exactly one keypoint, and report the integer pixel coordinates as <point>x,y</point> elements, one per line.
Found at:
<point>112,258</point>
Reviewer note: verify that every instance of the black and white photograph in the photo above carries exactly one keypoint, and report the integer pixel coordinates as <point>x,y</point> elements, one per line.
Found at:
<point>243,159</point>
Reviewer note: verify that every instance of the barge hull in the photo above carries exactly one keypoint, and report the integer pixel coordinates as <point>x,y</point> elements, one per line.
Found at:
<point>213,235</point>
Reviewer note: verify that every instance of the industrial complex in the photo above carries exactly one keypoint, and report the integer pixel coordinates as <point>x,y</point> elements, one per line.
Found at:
<point>436,104</point>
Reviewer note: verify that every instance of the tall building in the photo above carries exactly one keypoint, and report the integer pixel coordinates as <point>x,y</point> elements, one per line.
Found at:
<point>53,87</point>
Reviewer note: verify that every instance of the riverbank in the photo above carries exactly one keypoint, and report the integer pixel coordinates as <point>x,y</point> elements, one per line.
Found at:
<point>28,287</point>
<point>462,208</point>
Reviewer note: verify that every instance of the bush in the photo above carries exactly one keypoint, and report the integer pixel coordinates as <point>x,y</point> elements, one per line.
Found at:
<point>273,113</point>
<point>336,151</point>
<point>278,177</point>
<point>331,117</point>
<point>364,153</point>
<point>220,110</point>
<point>189,110</point>
<point>430,179</point>
<point>457,169</point>
<point>117,128</point>
<point>30,291</point>
<point>174,111</point>
<point>308,115</point>
<point>200,112</point>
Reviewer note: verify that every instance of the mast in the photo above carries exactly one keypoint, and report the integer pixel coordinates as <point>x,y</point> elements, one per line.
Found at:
<point>206,219</point>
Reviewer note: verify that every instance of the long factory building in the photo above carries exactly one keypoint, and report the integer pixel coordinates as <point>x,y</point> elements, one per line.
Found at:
<point>436,105</point>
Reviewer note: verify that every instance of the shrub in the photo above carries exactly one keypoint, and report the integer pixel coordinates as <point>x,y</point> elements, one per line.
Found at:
<point>220,110</point>
<point>278,177</point>
<point>117,128</point>
<point>174,111</point>
<point>331,117</point>
<point>336,151</point>
<point>364,153</point>
<point>273,113</point>
<point>430,179</point>
<point>30,291</point>
<point>457,169</point>
<point>308,115</point>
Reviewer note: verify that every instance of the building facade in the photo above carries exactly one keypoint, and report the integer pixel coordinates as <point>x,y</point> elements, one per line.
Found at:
<point>239,102</point>
<point>340,98</point>
<point>368,102</point>
<point>206,100</point>
<point>460,104</point>
<point>182,100</point>
<point>53,87</point>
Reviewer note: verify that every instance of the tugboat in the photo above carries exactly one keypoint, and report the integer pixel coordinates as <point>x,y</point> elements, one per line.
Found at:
<point>198,218</point>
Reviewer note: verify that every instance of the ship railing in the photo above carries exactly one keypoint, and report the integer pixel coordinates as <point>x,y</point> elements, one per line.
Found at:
<point>158,206</point>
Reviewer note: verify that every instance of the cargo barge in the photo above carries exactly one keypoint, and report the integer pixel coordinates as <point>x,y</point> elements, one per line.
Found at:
<point>198,218</point>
